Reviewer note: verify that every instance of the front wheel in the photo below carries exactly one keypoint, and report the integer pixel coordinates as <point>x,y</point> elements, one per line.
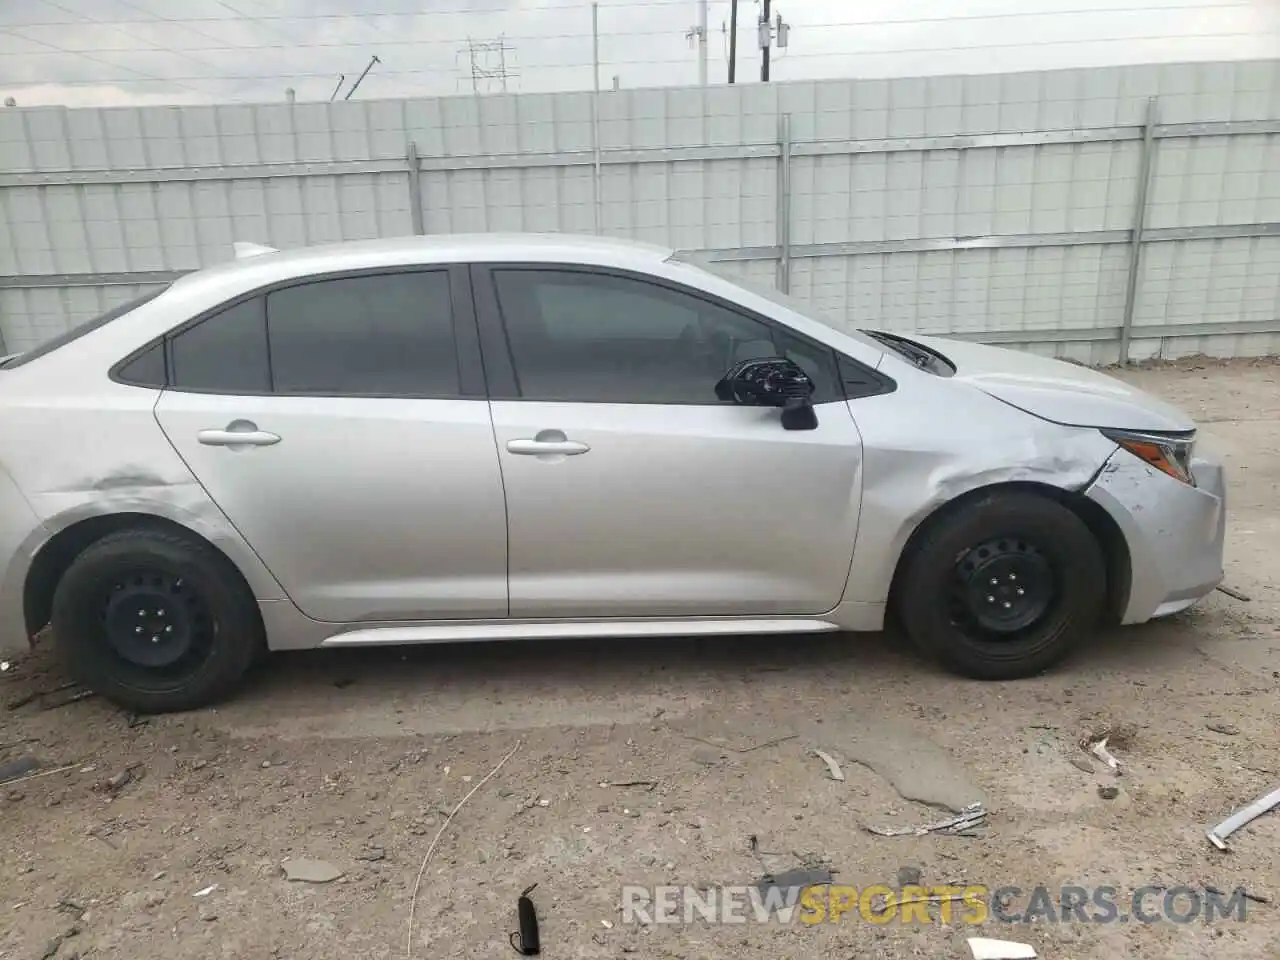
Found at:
<point>1002,586</point>
<point>155,622</point>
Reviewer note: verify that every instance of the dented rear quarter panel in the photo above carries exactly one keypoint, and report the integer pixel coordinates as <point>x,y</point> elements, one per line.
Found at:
<point>90,448</point>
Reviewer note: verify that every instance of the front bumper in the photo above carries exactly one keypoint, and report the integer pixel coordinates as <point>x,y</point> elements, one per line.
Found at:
<point>1175,531</point>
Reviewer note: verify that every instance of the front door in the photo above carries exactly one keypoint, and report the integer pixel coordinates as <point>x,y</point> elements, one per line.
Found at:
<point>631,490</point>
<point>331,423</point>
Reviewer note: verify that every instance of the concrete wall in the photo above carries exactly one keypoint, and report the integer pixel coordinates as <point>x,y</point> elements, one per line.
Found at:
<point>1002,208</point>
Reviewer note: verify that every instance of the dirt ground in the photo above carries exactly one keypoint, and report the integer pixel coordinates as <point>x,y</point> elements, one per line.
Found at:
<point>357,758</point>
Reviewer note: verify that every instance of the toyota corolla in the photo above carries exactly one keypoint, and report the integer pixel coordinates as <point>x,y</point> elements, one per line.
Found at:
<point>504,437</point>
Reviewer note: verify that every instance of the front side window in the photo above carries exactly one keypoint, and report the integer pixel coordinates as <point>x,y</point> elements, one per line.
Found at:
<point>384,335</point>
<point>603,338</point>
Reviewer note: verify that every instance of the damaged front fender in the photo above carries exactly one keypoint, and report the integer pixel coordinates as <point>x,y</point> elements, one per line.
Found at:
<point>916,465</point>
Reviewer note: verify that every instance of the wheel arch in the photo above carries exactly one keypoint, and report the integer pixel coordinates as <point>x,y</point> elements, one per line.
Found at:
<point>56,555</point>
<point>1105,531</point>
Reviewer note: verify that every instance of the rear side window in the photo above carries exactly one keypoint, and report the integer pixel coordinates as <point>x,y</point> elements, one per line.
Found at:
<point>147,369</point>
<point>386,335</point>
<point>225,353</point>
<point>390,334</point>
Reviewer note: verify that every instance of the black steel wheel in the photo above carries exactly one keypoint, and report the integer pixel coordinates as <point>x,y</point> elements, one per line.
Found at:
<point>155,621</point>
<point>1001,585</point>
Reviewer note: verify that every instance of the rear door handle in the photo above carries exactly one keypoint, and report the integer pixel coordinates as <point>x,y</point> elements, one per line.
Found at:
<point>239,433</point>
<point>535,448</point>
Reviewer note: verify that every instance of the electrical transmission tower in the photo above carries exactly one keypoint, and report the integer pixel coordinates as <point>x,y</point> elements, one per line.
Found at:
<point>488,60</point>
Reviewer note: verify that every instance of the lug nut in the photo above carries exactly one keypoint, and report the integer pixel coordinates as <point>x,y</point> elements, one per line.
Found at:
<point>1007,605</point>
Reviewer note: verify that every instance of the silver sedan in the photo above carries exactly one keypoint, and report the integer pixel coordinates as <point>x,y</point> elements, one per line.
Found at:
<point>505,437</point>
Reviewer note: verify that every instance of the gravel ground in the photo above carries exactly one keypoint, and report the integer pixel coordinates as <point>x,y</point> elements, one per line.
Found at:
<point>356,759</point>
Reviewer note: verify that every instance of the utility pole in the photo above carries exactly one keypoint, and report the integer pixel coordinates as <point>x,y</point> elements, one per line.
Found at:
<point>768,31</point>
<point>595,47</point>
<point>765,31</point>
<point>698,35</point>
<point>733,40</point>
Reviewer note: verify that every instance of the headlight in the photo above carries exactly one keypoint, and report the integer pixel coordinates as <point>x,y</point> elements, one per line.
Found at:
<point>1168,452</point>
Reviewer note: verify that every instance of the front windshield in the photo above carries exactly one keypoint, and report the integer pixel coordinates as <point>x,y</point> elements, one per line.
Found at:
<point>773,295</point>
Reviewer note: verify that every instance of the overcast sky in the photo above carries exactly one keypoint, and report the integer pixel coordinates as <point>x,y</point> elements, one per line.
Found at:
<point>111,52</point>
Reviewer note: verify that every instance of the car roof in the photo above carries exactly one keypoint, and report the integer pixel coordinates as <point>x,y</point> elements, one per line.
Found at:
<point>444,248</point>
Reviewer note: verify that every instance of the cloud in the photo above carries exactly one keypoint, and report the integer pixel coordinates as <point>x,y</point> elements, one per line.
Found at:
<point>112,52</point>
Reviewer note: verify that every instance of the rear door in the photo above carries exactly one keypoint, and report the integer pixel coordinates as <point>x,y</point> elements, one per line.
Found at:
<point>341,425</point>
<point>633,491</point>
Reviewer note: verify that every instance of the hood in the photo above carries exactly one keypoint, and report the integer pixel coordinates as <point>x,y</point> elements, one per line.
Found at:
<point>1053,390</point>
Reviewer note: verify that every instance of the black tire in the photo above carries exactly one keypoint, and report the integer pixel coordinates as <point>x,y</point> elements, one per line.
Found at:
<point>955,594</point>
<point>156,622</point>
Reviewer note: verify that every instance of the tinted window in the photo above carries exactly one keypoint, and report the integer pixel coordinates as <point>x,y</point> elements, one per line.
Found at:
<point>226,353</point>
<point>389,334</point>
<point>598,338</point>
<point>146,369</point>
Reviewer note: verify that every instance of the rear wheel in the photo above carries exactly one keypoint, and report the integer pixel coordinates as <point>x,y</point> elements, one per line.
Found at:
<point>1002,586</point>
<point>155,622</point>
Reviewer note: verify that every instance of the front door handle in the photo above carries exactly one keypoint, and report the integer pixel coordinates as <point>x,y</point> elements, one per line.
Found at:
<point>535,448</point>
<point>238,433</point>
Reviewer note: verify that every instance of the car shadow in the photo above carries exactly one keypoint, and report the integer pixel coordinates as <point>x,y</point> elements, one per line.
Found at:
<point>604,667</point>
<point>592,661</point>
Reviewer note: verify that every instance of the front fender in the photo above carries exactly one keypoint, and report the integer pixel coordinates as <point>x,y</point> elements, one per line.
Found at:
<point>913,469</point>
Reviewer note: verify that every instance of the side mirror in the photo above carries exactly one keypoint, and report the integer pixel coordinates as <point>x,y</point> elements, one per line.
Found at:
<point>772,382</point>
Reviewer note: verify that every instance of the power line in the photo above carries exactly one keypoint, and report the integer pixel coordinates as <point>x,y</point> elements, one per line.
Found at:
<point>646,4</point>
<point>151,77</point>
<point>843,54</point>
<point>625,35</point>
<point>113,26</point>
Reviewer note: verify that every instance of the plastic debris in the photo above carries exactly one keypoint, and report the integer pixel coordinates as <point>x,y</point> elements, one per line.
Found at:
<point>1218,835</point>
<point>206,891</point>
<point>1100,751</point>
<point>833,768</point>
<point>985,948</point>
<point>527,917</point>
<point>974,815</point>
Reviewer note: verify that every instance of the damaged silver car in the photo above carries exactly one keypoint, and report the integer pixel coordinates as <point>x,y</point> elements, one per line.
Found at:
<point>506,437</point>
